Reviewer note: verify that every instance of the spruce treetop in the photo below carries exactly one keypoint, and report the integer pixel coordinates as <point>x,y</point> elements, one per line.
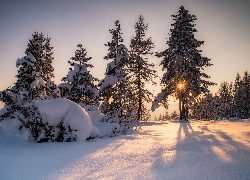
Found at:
<point>139,45</point>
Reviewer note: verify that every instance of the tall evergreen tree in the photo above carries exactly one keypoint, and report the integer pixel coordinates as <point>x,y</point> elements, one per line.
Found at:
<point>114,87</point>
<point>141,71</point>
<point>183,64</point>
<point>79,85</point>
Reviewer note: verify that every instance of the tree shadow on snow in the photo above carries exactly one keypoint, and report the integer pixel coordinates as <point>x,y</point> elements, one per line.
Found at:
<point>204,154</point>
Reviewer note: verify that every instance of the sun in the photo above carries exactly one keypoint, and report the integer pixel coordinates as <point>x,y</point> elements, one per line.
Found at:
<point>180,85</point>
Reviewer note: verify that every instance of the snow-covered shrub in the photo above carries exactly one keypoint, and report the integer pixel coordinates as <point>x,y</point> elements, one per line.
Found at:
<point>67,120</point>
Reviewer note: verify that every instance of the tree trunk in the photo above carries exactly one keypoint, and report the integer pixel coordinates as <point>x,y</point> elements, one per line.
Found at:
<point>180,105</point>
<point>140,101</point>
<point>183,111</point>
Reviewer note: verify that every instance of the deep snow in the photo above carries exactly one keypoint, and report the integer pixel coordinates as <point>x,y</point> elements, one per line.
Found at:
<point>161,150</point>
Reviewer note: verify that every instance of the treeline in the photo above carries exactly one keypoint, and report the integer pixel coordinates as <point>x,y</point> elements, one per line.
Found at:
<point>166,116</point>
<point>231,100</point>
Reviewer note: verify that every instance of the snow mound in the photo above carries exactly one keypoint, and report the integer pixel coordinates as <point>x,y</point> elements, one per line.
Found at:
<point>55,112</point>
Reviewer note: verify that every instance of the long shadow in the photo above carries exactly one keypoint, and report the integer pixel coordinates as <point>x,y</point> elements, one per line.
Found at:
<point>204,154</point>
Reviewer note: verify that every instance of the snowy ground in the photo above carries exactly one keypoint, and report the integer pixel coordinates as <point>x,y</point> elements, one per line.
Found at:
<point>162,150</point>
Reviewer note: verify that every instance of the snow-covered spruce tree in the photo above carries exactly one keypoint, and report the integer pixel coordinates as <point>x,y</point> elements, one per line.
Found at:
<point>224,109</point>
<point>114,88</point>
<point>79,85</point>
<point>21,100</point>
<point>42,70</point>
<point>183,64</point>
<point>141,71</point>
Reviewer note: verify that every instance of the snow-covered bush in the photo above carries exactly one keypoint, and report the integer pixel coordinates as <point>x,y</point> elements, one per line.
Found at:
<point>67,119</point>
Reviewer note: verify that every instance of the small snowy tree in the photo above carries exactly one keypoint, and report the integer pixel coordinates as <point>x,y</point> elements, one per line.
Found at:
<point>141,71</point>
<point>183,64</point>
<point>79,85</point>
<point>116,96</point>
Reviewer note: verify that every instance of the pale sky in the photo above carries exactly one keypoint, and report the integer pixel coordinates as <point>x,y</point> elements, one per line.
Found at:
<point>224,25</point>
